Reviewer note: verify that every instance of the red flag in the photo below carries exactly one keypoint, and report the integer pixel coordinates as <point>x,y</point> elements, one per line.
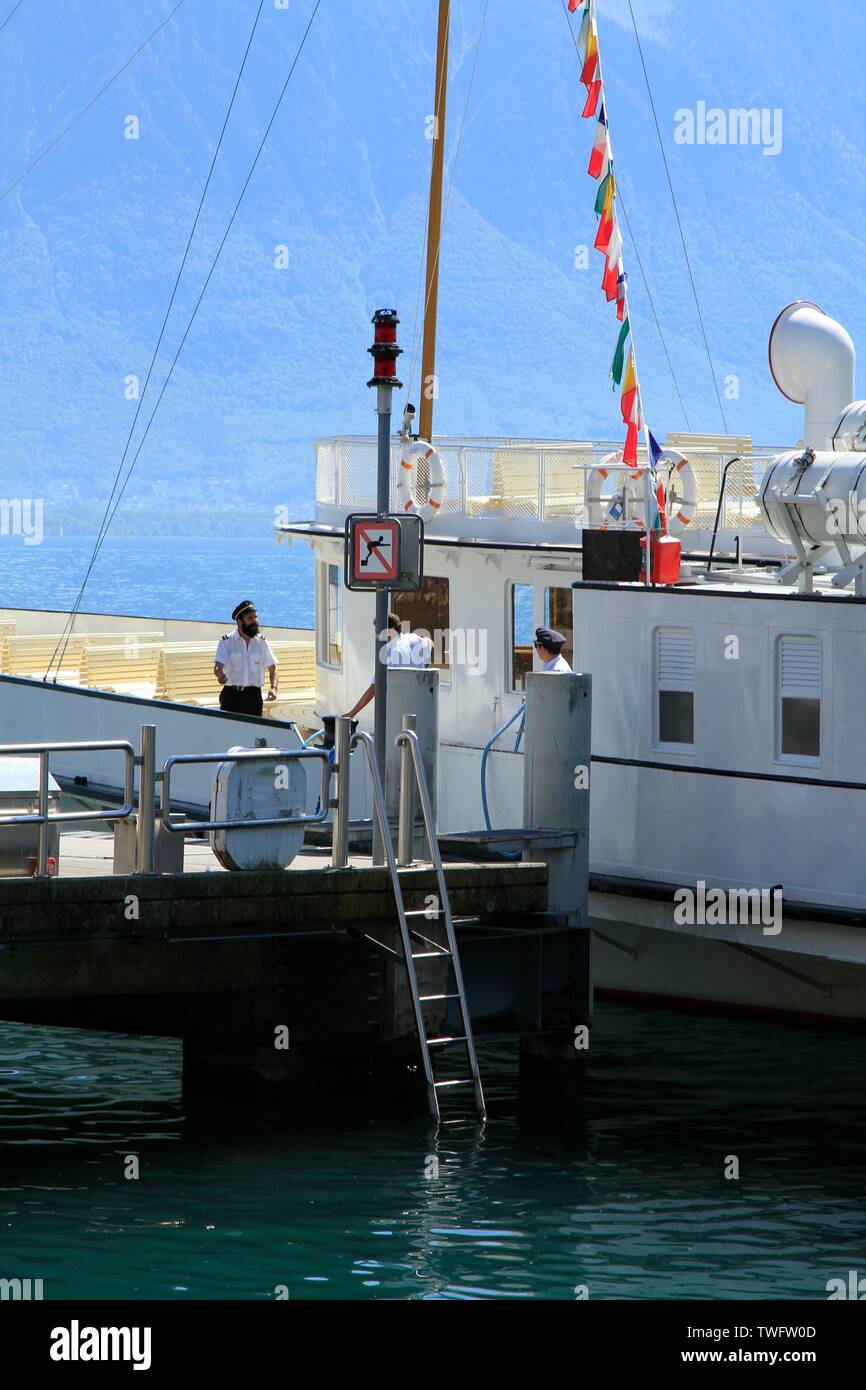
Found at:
<point>608,283</point>
<point>590,60</point>
<point>598,154</point>
<point>592,97</point>
<point>629,453</point>
<point>602,236</point>
<point>574,5</point>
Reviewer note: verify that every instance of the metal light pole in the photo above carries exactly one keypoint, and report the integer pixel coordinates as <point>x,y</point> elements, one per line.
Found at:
<point>385,353</point>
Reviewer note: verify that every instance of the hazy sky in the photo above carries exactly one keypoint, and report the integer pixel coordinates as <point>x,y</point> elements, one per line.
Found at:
<point>91,239</point>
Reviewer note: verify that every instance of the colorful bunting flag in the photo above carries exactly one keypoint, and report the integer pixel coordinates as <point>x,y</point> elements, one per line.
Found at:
<point>604,196</point>
<point>657,486</point>
<point>599,154</point>
<point>621,295</point>
<point>592,96</point>
<point>586,26</point>
<point>614,251</point>
<point>618,362</point>
<point>629,389</point>
<point>629,453</point>
<point>609,279</point>
<point>605,229</point>
<point>608,240</point>
<point>590,59</point>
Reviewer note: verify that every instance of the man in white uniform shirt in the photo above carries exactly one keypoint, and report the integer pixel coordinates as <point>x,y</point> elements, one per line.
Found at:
<point>403,649</point>
<point>241,662</point>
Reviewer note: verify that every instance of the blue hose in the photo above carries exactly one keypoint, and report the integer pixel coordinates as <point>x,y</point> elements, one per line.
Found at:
<point>307,741</point>
<point>521,715</point>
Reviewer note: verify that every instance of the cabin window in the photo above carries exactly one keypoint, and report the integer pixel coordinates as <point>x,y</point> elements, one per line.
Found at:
<point>675,674</point>
<point>329,603</point>
<point>558,616</point>
<point>427,611</point>
<point>522,633</point>
<point>799,681</point>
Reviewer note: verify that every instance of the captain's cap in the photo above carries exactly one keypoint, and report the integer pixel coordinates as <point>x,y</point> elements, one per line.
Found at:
<point>243,607</point>
<point>546,637</point>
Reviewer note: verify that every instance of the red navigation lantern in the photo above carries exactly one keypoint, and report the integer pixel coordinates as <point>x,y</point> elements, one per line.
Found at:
<point>385,350</point>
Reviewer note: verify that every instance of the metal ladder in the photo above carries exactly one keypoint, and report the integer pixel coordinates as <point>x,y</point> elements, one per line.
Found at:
<point>408,934</point>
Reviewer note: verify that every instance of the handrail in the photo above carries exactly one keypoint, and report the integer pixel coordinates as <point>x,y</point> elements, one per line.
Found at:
<point>43,818</point>
<point>737,459</point>
<point>410,738</point>
<point>248,755</point>
<point>366,742</point>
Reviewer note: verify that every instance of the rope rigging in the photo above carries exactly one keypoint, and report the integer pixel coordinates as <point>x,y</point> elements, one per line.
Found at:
<point>212,268</point>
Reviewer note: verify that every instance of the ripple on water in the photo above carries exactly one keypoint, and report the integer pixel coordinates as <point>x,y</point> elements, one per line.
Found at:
<point>622,1191</point>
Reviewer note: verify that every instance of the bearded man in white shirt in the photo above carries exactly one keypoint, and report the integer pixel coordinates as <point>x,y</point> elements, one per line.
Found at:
<point>241,660</point>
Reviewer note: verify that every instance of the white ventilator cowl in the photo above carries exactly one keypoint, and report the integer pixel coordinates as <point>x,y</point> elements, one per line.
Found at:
<point>812,359</point>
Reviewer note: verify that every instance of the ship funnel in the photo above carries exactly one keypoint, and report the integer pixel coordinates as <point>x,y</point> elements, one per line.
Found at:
<point>812,361</point>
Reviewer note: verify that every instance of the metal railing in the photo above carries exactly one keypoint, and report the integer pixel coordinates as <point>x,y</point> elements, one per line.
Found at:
<point>247,756</point>
<point>537,480</point>
<point>42,818</point>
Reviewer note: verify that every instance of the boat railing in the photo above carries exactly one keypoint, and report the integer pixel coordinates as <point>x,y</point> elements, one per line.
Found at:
<point>142,810</point>
<point>541,480</point>
<point>42,817</point>
<point>278,756</point>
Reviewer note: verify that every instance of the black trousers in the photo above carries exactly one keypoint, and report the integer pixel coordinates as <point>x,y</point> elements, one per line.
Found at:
<point>241,699</point>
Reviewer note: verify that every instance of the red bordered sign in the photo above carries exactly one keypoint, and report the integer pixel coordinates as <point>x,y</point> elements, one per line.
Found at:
<point>375,551</point>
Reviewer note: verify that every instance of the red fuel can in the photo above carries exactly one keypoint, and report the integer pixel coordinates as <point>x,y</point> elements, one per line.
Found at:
<point>665,558</point>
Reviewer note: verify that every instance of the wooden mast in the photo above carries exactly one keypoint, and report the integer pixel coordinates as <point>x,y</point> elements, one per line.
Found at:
<point>434,229</point>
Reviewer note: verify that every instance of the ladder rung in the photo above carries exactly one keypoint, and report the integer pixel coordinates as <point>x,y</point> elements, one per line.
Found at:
<point>425,998</point>
<point>458,1038</point>
<point>468,1082</point>
<point>429,955</point>
<point>421,912</point>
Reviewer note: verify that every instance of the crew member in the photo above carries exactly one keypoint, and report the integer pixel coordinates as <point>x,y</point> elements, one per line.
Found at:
<point>241,660</point>
<point>403,649</point>
<point>549,645</point>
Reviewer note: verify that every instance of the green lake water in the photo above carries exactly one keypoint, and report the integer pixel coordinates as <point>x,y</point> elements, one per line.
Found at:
<point>621,1190</point>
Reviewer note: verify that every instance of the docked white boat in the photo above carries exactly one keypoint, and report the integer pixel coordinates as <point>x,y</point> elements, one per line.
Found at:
<point>727,727</point>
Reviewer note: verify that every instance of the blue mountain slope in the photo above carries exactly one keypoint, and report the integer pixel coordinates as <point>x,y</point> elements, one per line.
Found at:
<point>91,239</point>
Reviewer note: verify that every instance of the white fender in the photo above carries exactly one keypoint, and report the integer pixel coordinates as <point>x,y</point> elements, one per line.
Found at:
<point>409,460</point>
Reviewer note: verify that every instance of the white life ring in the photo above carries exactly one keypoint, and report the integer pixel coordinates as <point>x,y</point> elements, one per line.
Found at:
<point>409,461</point>
<point>601,511</point>
<point>681,508</point>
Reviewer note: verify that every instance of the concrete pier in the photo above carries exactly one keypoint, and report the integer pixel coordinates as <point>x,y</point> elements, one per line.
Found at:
<point>280,982</point>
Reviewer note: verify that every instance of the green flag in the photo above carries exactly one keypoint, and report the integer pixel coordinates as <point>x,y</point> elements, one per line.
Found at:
<point>616,365</point>
<point>602,193</point>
